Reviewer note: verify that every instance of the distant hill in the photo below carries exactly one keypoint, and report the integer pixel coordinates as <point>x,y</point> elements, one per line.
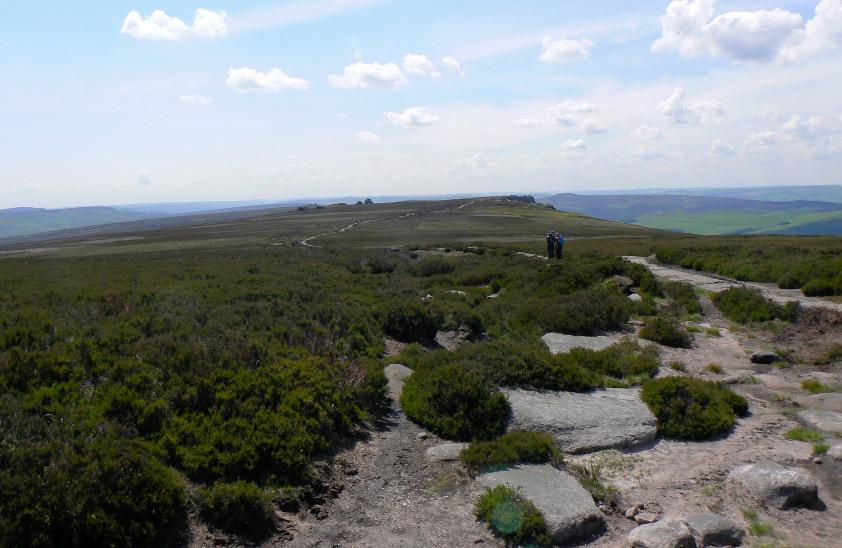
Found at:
<point>707,214</point>
<point>26,220</point>
<point>820,193</point>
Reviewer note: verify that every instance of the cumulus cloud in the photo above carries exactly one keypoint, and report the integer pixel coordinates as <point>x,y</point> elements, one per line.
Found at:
<point>160,26</point>
<point>648,152</point>
<point>412,117</point>
<point>646,133</point>
<point>453,65</point>
<point>529,122</point>
<point>577,144</point>
<point>564,50</point>
<point>369,76</point>
<point>764,138</point>
<point>144,177</point>
<point>367,137</point>
<point>195,99</point>
<point>677,111</point>
<point>562,113</point>
<point>419,64</point>
<point>589,125</point>
<point>815,126</point>
<point>477,161</point>
<point>249,79</point>
<point>761,35</point>
<point>719,149</point>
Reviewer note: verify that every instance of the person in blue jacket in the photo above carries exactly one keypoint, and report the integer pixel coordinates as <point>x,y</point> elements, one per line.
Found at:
<point>559,245</point>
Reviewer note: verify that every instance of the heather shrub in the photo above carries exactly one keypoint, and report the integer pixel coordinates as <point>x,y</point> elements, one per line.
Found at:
<point>687,408</point>
<point>512,517</point>
<point>241,508</point>
<point>666,332</point>
<point>510,448</point>
<point>409,319</point>
<point>744,305</point>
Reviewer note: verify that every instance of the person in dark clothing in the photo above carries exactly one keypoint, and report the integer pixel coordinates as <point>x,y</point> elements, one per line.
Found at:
<point>550,245</point>
<point>558,244</point>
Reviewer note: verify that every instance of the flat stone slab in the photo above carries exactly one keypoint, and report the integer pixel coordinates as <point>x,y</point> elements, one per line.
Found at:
<point>829,401</point>
<point>774,485</point>
<point>559,343</point>
<point>669,533</point>
<point>396,374</point>
<point>445,451</point>
<point>582,423</point>
<point>713,530</point>
<point>835,452</point>
<point>826,421</point>
<point>568,509</point>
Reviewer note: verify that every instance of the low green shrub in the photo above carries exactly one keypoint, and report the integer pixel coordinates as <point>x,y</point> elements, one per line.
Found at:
<point>684,294</point>
<point>455,401</point>
<point>588,312</point>
<point>241,508</point>
<point>510,448</point>
<point>745,305</point>
<point>833,354</point>
<point>512,517</point>
<point>687,408</point>
<point>409,319</point>
<point>821,287</point>
<point>666,332</point>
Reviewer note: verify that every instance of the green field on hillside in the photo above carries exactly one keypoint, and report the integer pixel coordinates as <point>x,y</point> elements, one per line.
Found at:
<point>733,222</point>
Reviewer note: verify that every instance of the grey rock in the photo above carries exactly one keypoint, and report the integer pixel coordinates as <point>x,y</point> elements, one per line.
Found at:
<point>774,485</point>
<point>445,451</point>
<point>631,512</point>
<point>645,517</point>
<point>581,423</point>
<point>456,292</point>
<point>826,421</point>
<point>568,509</point>
<point>738,376</point>
<point>559,343</point>
<point>829,401</point>
<point>422,435</point>
<point>634,297</point>
<point>396,374</point>
<point>763,356</point>
<point>670,533</point>
<point>713,530</point>
<point>835,452</point>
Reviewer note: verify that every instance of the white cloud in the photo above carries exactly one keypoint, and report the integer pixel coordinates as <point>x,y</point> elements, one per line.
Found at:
<point>719,149</point>
<point>676,111</point>
<point>562,113</point>
<point>477,161</point>
<point>646,133</point>
<point>249,79</point>
<point>815,126</point>
<point>648,152</point>
<point>419,64</point>
<point>577,144</point>
<point>760,35</point>
<point>453,65</point>
<point>412,117</point>
<point>144,177</point>
<point>564,50</point>
<point>367,137</point>
<point>160,26</point>
<point>529,122</point>
<point>589,125</point>
<point>764,138</point>
<point>369,76</point>
<point>195,99</point>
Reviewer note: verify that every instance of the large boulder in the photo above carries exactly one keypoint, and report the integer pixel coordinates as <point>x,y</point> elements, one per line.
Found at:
<point>445,451</point>
<point>763,356</point>
<point>669,533</point>
<point>826,421</point>
<point>713,530</point>
<point>396,374</point>
<point>568,509</point>
<point>581,423</point>
<point>774,485</point>
<point>559,343</point>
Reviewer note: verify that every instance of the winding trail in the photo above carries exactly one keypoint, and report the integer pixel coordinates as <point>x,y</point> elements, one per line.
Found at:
<point>306,241</point>
<point>716,283</point>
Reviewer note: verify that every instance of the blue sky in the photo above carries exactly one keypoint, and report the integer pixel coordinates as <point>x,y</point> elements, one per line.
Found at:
<point>123,102</point>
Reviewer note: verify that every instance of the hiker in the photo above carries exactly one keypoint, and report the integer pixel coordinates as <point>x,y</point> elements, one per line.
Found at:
<point>559,244</point>
<point>550,245</point>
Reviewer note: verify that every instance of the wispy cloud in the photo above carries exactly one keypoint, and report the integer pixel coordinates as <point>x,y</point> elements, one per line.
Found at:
<point>412,117</point>
<point>564,50</point>
<point>273,81</point>
<point>195,99</point>
<point>369,76</point>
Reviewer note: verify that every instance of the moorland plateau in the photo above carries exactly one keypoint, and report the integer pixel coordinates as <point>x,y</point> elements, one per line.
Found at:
<point>222,383</point>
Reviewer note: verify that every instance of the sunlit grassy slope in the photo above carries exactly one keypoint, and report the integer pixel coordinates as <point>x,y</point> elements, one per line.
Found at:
<point>389,224</point>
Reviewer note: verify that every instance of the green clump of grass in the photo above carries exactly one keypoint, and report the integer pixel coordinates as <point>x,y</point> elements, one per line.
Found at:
<point>688,408</point>
<point>511,516</point>
<point>665,332</point>
<point>456,402</point>
<point>802,433</point>
<point>833,354</point>
<point>744,305</point>
<point>510,448</point>
<point>678,366</point>
<point>815,386</point>
<point>240,507</point>
<point>589,476</point>
<point>820,448</point>
<point>712,332</point>
<point>715,368</point>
